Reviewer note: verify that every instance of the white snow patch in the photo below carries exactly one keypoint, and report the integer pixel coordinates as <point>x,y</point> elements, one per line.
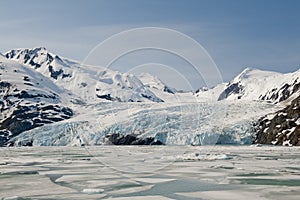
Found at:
<point>291,130</point>
<point>275,141</point>
<point>284,114</point>
<point>270,117</point>
<point>286,143</point>
<point>266,129</point>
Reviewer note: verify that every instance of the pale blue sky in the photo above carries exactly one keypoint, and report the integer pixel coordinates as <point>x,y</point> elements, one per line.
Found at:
<point>236,33</point>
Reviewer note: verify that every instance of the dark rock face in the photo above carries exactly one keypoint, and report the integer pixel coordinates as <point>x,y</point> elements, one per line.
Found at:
<point>117,139</point>
<point>106,96</point>
<point>234,88</point>
<point>54,74</point>
<point>4,136</point>
<point>283,128</point>
<point>169,90</point>
<point>151,98</point>
<point>28,117</point>
<point>283,93</point>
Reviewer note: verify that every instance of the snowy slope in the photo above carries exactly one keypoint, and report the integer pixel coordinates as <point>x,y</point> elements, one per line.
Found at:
<point>164,92</point>
<point>28,100</point>
<point>210,94</point>
<point>155,83</point>
<point>91,83</point>
<point>256,85</point>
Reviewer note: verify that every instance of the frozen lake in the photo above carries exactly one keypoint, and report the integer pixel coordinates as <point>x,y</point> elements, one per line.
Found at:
<point>150,172</point>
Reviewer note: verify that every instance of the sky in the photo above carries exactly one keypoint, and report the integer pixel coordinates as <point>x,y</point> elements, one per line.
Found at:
<point>236,34</point>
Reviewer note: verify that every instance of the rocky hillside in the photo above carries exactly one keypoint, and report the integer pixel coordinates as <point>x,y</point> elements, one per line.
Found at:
<point>281,128</point>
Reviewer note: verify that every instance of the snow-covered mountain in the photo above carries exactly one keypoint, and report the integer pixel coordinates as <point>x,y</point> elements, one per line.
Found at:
<point>28,100</point>
<point>155,83</point>
<point>163,91</point>
<point>90,83</point>
<point>50,100</point>
<point>257,85</point>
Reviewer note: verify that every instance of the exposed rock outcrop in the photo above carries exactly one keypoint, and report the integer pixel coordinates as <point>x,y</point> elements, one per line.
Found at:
<point>117,139</point>
<point>283,128</point>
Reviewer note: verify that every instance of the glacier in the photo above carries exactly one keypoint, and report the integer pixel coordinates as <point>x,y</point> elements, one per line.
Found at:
<point>208,123</point>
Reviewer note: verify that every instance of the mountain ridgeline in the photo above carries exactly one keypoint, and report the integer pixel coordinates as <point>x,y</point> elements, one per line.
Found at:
<point>40,90</point>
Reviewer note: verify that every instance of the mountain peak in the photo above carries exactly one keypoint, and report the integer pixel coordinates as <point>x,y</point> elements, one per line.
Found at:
<point>34,57</point>
<point>248,70</point>
<point>90,82</point>
<point>27,52</point>
<point>41,48</point>
<point>152,81</point>
<point>256,84</point>
<point>149,77</point>
<point>33,50</point>
<point>253,73</point>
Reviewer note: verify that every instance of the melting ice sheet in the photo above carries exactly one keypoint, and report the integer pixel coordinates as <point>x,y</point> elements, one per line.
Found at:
<point>166,172</point>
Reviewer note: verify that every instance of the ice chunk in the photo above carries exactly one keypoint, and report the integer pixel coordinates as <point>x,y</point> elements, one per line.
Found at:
<point>197,156</point>
<point>92,191</point>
